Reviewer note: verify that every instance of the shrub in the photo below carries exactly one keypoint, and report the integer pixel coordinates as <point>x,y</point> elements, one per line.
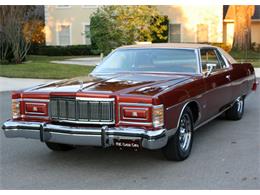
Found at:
<point>71,50</point>
<point>224,46</point>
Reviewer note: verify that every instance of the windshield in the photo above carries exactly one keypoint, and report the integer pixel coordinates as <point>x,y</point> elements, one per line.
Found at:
<point>149,60</point>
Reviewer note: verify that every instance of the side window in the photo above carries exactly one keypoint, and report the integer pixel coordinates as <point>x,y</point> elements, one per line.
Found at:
<point>210,56</point>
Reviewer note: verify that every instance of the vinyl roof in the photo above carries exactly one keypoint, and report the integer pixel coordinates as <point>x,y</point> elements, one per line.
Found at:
<point>168,45</point>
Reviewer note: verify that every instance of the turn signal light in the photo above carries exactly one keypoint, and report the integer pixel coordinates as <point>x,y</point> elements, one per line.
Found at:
<point>16,108</point>
<point>158,116</point>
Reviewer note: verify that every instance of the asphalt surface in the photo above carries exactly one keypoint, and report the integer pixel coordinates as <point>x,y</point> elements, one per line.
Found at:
<point>225,155</point>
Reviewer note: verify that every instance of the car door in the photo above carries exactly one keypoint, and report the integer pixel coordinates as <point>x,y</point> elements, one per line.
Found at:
<point>218,83</point>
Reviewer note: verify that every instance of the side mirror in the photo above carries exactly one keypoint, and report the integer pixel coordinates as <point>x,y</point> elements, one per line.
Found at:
<point>210,68</point>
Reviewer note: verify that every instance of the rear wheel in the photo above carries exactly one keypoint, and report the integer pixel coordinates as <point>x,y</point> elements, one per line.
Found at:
<point>237,110</point>
<point>179,146</point>
<point>59,147</point>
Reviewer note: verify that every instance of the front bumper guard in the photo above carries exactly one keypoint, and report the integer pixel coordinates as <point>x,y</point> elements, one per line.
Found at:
<point>89,136</point>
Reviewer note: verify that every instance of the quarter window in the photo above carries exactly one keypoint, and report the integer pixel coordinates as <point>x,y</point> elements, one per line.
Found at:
<point>211,56</point>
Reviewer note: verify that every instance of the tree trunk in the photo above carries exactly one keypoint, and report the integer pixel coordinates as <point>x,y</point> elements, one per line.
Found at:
<point>242,31</point>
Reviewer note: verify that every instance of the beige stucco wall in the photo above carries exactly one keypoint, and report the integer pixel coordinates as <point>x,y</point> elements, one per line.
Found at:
<point>229,32</point>
<point>190,16</point>
<point>75,15</point>
<point>255,32</point>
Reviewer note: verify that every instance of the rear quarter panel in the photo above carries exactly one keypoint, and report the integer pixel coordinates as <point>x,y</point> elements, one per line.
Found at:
<point>243,77</point>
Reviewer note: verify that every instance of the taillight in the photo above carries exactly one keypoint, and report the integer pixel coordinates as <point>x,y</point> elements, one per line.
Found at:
<point>254,87</point>
<point>16,109</point>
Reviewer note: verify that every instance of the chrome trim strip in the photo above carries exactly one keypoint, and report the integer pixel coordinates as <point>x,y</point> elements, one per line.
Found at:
<point>85,122</point>
<point>134,104</point>
<point>32,113</point>
<point>96,99</point>
<point>32,100</point>
<point>136,123</point>
<point>31,116</point>
<point>211,118</point>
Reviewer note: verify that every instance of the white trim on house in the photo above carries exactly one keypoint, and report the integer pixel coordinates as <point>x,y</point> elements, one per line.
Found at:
<point>83,32</point>
<point>57,33</point>
<point>63,6</point>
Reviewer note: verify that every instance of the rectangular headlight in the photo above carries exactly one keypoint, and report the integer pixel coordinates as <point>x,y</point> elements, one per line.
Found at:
<point>16,108</point>
<point>158,116</point>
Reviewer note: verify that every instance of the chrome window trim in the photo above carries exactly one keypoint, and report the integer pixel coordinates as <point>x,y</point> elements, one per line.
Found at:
<point>218,54</point>
<point>118,49</point>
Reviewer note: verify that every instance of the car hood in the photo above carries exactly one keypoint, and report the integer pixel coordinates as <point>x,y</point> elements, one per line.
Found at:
<point>124,83</point>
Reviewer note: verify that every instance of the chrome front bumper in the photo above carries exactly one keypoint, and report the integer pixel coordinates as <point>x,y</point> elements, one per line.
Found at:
<point>90,136</point>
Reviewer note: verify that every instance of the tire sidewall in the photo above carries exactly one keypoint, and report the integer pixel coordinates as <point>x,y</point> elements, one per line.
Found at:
<point>185,154</point>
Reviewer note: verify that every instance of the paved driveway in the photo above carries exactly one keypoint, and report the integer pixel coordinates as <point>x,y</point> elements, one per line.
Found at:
<point>225,155</point>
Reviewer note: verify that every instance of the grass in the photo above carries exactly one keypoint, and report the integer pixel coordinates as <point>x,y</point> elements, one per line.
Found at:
<point>252,56</point>
<point>41,67</point>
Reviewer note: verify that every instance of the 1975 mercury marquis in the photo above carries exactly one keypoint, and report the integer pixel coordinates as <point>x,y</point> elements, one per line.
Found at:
<point>150,96</point>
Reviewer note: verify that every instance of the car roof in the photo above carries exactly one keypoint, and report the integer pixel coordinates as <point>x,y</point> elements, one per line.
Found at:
<point>167,45</point>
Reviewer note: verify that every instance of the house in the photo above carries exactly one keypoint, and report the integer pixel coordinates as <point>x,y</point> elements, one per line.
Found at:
<point>68,24</point>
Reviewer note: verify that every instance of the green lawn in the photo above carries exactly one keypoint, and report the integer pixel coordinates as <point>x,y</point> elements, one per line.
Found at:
<point>251,56</point>
<point>40,67</point>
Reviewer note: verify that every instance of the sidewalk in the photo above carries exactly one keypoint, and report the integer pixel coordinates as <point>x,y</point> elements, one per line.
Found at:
<point>9,84</point>
<point>88,61</point>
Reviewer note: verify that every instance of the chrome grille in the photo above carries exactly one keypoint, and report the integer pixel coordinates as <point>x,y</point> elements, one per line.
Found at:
<point>82,110</point>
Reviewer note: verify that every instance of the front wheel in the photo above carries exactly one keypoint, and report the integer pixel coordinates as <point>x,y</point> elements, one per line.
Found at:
<point>237,110</point>
<point>179,146</point>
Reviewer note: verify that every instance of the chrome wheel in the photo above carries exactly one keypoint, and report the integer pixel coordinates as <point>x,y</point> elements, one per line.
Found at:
<point>185,132</point>
<point>240,103</point>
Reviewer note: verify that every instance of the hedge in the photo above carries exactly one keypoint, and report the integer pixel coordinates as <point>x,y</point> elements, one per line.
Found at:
<point>71,50</point>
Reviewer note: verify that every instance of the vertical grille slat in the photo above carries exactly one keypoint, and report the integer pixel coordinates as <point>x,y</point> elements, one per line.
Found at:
<point>87,111</point>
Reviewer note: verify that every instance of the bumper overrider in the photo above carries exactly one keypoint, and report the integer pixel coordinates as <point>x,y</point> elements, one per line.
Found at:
<point>90,136</point>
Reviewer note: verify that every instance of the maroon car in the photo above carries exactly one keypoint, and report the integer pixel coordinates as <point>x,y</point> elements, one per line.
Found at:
<point>141,96</point>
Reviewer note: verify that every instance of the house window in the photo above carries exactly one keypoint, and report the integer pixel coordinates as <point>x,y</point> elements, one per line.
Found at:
<point>64,34</point>
<point>86,34</point>
<point>62,6</point>
<point>202,33</point>
<point>175,33</point>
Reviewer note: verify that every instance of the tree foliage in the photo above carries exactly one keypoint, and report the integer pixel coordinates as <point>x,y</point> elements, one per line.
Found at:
<point>113,26</point>
<point>16,31</point>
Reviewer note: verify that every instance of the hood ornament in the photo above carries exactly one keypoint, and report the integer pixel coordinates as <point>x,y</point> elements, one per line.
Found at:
<point>81,85</point>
